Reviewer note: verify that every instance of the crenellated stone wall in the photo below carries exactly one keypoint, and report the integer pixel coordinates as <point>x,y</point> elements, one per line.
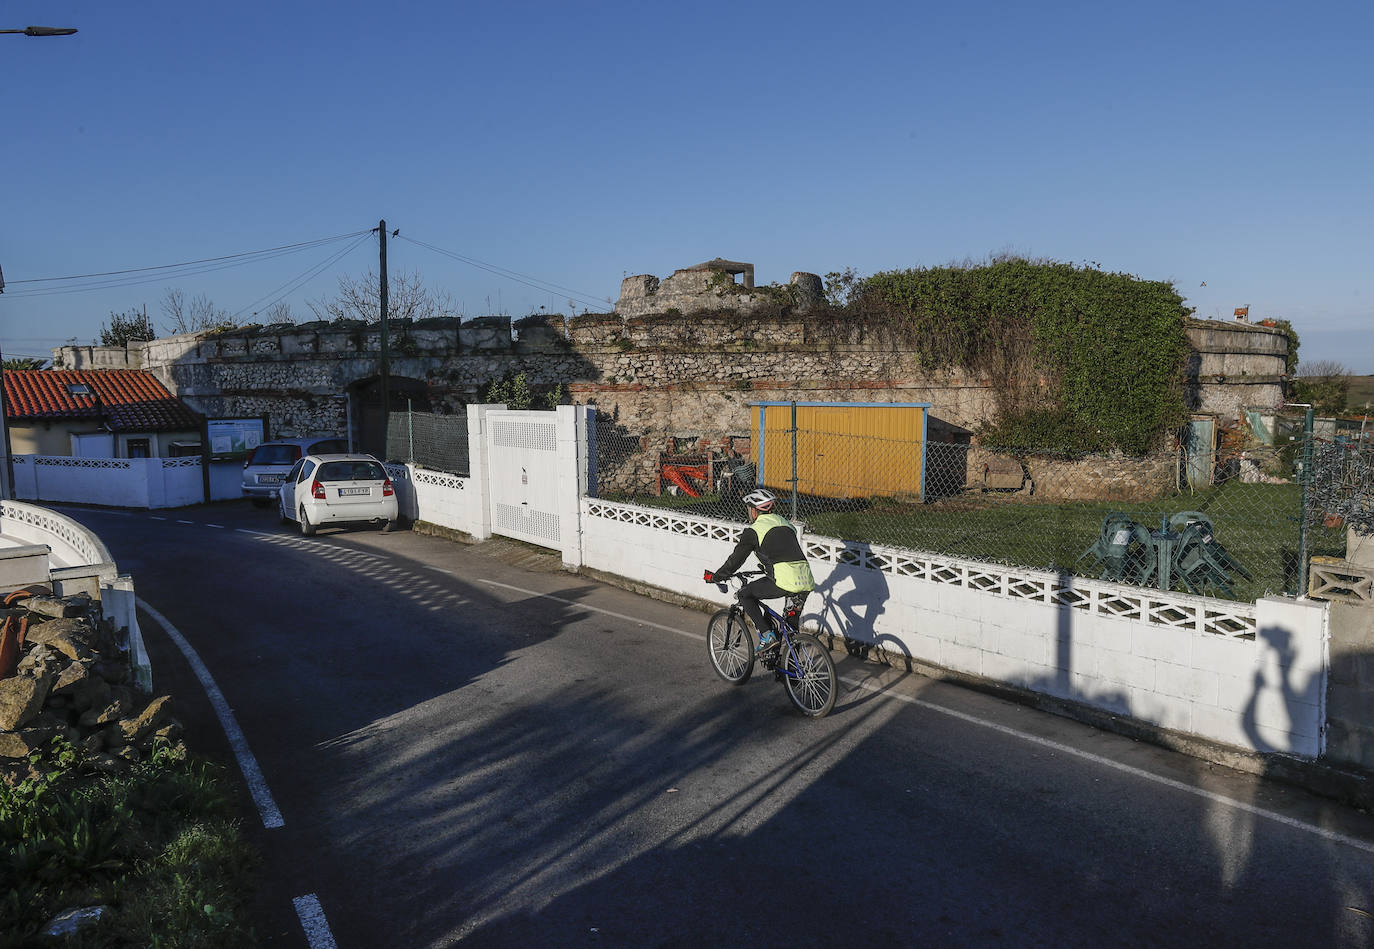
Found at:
<point>660,372</point>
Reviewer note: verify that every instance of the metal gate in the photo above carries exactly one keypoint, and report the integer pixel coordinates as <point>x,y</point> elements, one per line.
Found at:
<point>522,453</point>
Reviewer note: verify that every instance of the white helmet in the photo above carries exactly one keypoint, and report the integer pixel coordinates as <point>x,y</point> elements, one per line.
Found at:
<point>761,499</point>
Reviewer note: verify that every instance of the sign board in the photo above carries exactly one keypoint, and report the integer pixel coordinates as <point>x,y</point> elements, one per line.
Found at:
<point>232,439</point>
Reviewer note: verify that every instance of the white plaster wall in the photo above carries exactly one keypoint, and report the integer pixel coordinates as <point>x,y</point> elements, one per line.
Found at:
<point>1262,691</point>
<point>445,500</point>
<point>113,482</point>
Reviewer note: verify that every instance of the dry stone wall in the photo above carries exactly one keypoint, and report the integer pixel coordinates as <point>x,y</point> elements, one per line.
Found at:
<point>666,376</point>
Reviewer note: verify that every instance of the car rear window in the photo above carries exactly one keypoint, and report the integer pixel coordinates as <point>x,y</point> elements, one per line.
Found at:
<point>274,455</point>
<point>351,471</point>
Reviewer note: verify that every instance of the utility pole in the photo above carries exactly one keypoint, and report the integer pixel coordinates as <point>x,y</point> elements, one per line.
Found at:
<point>386,357</point>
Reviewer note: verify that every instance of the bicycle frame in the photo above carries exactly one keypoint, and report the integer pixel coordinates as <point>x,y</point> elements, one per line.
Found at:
<point>786,630</point>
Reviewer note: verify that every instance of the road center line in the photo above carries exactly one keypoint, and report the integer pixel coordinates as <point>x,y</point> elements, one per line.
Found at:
<point>316,927</point>
<point>885,692</point>
<point>252,774</point>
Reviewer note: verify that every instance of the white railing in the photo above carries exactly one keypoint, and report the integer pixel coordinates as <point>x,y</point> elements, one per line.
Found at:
<point>1098,597</point>
<point>71,544</point>
<point>80,562</point>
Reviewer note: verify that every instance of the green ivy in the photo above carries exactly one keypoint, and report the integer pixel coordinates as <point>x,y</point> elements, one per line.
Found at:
<point>1082,359</point>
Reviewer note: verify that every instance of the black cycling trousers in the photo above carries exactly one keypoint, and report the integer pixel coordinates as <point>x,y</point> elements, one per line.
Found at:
<point>761,589</point>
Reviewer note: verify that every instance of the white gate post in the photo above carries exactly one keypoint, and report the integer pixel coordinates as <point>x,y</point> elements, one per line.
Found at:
<point>479,471</point>
<point>572,422</point>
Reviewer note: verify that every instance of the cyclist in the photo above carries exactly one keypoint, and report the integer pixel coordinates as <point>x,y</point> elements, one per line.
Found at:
<point>773,540</point>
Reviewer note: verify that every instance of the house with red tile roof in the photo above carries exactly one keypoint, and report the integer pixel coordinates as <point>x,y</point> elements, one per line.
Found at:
<point>107,413</point>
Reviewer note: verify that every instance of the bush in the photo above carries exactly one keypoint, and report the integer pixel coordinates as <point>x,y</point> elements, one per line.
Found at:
<point>1081,359</point>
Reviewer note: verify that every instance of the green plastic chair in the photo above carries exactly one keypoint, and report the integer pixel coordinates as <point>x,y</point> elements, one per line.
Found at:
<point>1124,549</point>
<point>1201,563</point>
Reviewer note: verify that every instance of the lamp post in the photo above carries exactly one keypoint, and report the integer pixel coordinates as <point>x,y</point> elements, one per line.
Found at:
<point>7,471</point>
<point>43,31</point>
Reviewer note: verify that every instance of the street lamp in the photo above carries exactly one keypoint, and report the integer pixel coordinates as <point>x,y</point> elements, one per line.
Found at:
<point>43,31</point>
<point>7,471</point>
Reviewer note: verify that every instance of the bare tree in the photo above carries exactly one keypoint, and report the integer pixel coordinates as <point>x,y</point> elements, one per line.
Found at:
<point>279,312</point>
<point>359,298</point>
<point>1322,369</point>
<point>194,315</point>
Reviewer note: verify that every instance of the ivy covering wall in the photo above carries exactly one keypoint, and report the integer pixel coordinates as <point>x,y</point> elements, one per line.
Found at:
<point>1084,360</point>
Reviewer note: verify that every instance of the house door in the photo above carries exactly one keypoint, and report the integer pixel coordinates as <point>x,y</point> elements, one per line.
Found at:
<point>95,445</point>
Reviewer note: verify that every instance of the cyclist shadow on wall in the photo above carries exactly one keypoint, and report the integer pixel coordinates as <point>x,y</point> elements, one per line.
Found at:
<point>852,597</point>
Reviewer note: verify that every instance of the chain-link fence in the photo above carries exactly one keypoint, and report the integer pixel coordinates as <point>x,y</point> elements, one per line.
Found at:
<point>433,441</point>
<point>1220,515</point>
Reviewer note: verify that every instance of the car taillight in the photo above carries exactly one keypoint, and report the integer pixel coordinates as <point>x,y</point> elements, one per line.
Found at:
<point>317,490</point>
<point>387,489</point>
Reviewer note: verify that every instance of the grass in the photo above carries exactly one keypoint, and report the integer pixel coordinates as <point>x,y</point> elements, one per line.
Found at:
<point>1360,394</point>
<point>1256,523</point>
<point>158,845</point>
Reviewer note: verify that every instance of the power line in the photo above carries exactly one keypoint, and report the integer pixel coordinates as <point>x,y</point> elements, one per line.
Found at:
<point>274,296</point>
<point>536,283</point>
<point>206,260</point>
<point>148,275</point>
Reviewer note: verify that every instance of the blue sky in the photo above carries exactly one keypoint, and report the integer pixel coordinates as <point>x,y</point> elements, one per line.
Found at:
<point>1226,147</point>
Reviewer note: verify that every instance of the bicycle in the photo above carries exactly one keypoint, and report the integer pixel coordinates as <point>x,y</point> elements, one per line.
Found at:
<point>796,659</point>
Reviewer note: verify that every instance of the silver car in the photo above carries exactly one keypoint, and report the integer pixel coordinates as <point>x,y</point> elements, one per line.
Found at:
<point>270,461</point>
<point>322,490</point>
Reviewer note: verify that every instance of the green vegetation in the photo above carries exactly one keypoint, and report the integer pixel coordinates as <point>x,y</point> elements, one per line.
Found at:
<point>1082,360</point>
<point>517,393</point>
<point>157,845</point>
<point>126,327</point>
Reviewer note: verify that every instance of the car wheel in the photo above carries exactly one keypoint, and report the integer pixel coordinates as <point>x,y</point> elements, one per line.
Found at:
<point>307,528</point>
<point>388,526</point>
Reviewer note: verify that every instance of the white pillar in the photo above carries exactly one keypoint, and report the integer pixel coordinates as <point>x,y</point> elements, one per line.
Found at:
<point>1288,711</point>
<point>479,471</point>
<point>572,423</point>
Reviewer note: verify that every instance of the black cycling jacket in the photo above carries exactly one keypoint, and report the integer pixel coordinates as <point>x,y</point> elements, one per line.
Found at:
<point>779,545</point>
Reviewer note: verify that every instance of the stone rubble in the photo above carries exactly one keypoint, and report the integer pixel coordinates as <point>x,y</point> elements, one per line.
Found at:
<point>64,671</point>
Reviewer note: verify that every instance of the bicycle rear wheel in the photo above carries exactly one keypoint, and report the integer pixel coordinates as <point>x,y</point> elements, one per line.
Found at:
<point>731,645</point>
<point>809,674</point>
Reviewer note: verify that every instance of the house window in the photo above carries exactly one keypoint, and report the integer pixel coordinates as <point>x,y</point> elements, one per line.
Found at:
<point>138,448</point>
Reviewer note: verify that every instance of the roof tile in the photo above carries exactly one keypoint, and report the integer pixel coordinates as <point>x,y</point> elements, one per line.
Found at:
<point>129,400</point>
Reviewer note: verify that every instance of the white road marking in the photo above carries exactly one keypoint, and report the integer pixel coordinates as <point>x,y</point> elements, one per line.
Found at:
<point>154,517</point>
<point>179,521</point>
<point>252,774</point>
<point>316,927</point>
<point>218,527</point>
<point>1005,730</point>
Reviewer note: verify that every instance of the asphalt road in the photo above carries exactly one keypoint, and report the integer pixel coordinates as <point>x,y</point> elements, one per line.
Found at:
<point>467,745</point>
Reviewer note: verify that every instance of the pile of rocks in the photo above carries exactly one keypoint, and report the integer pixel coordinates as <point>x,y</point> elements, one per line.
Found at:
<point>63,671</point>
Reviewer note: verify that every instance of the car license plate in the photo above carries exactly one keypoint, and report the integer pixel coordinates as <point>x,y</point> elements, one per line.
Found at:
<point>269,479</point>
<point>351,492</point>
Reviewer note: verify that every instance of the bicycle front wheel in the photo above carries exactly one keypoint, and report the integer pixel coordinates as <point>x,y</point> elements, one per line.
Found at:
<point>809,674</point>
<point>731,645</point>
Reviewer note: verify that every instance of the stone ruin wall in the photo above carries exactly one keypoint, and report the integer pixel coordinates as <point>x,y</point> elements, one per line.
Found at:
<point>661,382</point>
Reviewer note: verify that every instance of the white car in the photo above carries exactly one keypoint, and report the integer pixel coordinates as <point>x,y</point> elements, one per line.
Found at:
<point>320,490</point>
